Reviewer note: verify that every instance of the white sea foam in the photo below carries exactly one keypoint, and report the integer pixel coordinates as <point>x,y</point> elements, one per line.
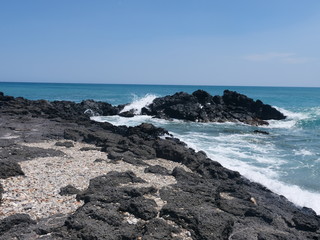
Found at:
<point>135,121</point>
<point>315,111</point>
<point>293,115</point>
<point>139,103</point>
<point>118,121</point>
<point>303,152</point>
<point>281,123</point>
<point>291,120</point>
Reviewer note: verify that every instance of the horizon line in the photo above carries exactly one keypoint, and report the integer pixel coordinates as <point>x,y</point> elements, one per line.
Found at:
<point>150,84</point>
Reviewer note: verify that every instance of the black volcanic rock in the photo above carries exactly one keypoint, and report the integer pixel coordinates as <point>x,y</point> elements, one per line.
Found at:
<point>10,169</point>
<point>257,108</point>
<point>56,109</point>
<point>1,192</point>
<point>157,170</point>
<point>147,131</point>
<point>94,108</point>
<point>69,190</point>
<point>127,114</point>
<point>64,144</point>
<point>19,153</point>
<point>200,106</point>
<point>14,226</point>
<point>202,96</point>
<point>261,132</point>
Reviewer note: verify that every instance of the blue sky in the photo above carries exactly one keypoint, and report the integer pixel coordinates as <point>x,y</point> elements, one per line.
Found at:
<point>225,42</point>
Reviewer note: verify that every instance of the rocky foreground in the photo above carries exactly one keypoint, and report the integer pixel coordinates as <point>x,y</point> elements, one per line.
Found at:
<point>144,183</point>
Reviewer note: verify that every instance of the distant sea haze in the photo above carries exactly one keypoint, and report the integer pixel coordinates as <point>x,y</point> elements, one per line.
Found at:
<point>287,160</point>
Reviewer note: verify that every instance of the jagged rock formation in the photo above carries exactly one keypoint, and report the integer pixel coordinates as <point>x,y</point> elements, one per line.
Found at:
<point>200,106</point>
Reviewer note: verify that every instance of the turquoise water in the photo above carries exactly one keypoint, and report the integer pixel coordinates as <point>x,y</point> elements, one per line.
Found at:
<point>287,161</point>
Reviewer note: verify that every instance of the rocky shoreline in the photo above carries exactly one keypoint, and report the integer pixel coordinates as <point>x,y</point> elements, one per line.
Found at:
<point>67,177</point>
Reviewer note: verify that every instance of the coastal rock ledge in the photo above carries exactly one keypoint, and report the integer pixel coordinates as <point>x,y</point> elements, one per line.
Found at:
<point>147,186</point>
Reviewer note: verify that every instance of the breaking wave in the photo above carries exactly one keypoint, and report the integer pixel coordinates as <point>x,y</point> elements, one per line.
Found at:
<point>139,103</point>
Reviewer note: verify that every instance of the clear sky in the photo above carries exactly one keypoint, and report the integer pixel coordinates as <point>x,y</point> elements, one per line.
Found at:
<point>216,42</point>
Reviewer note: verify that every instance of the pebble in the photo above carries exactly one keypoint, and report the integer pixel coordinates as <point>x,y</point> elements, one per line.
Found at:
<point>37,193</point>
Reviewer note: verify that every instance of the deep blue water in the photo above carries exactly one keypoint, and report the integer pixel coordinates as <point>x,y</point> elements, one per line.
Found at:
<point>287,161</point>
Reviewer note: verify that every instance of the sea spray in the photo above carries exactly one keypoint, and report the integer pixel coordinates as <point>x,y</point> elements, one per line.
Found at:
<point>139,103</point>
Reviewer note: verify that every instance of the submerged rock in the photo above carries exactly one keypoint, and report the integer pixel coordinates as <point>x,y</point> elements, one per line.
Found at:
<point>261,132</point>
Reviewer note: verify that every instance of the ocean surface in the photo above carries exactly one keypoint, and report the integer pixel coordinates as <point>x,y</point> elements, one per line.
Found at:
<point>287,161</point>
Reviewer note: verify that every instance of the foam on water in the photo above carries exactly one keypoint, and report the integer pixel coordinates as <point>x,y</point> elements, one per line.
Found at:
<point>267,176</point>
<point>292,119</point>
<point>139,103</point>
<point>307,117</point>
<point>281,124</point>
<point>118,121</point>
<point>303,152</point>
<point>292,115</point>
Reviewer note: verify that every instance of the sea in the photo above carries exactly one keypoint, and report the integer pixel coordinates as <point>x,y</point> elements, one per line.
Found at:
<point>287,161</point>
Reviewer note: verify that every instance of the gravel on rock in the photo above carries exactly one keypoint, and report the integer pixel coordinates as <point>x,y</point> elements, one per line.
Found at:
<point>37,193</point>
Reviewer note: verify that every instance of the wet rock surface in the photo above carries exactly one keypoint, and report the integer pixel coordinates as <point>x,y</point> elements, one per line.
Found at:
<point>200,106</point>
<point>205,202</point>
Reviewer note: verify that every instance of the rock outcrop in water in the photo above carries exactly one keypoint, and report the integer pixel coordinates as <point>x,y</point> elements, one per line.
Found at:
<point>200,106</point>
<point>205,201</point>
